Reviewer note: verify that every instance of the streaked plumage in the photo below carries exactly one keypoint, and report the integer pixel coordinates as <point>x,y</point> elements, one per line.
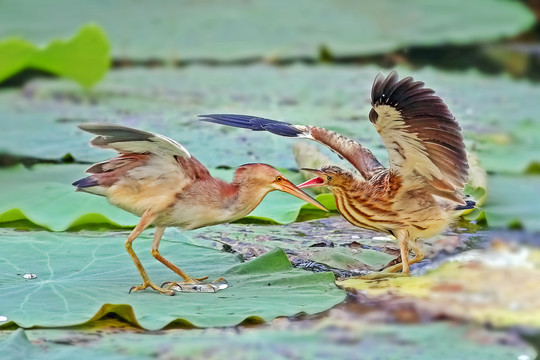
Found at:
<point>158,179</point>
<point>417,195</point>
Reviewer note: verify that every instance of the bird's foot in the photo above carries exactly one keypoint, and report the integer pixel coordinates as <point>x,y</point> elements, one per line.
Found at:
<point>196,286</point>
<point>153,286</point>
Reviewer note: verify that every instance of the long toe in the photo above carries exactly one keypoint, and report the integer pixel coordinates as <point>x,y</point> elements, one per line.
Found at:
<point>165,291</point>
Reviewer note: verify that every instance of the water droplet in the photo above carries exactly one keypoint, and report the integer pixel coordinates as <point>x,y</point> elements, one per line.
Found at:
<point>3,318</point>
<point>29,276</point>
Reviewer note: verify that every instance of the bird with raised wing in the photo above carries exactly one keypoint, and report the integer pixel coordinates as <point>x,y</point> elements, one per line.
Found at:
<point>157,179</point>
<point>418,195</point>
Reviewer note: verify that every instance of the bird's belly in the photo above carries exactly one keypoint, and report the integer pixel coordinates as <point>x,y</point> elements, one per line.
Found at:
<point>428,225</point>
<point>192,216</point>
<point>138,199</point>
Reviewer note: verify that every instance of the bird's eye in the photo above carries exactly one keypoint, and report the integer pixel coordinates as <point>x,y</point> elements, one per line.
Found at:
<point>329,177</point>
<point>279,178</point>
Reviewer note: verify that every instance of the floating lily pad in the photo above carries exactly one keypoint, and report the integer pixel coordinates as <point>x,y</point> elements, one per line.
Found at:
<point>269,28</point>
<point>78,277</point>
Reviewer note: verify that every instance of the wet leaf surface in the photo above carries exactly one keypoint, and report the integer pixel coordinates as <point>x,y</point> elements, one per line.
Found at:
<point>81,277</point>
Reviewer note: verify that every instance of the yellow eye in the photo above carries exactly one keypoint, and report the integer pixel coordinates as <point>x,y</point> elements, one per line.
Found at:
<point>329,178</point>
<point>279,178</point>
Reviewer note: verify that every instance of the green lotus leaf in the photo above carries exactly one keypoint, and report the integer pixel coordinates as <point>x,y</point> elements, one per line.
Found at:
<point>84,58</point>
<point>270,28</point>
<point>84,276</point>
<point>15,54</point>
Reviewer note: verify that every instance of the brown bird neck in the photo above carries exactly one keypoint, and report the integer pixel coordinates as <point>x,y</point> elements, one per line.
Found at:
<point>247,196</point>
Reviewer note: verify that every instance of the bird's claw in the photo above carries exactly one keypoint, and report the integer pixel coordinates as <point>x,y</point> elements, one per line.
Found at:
<point>195,286</point>
<point>153,286</point>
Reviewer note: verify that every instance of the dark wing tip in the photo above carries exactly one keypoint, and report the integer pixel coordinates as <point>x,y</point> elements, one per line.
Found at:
<point>110,133</point>
<point>85,182</point>
<point>469,204</point>
<point>253,123</point>
<point>398,93</point>
<point>427,116</point>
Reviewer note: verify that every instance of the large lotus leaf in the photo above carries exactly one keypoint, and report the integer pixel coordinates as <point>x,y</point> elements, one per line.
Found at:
<point>83,58</point>
<point>498,115</point>
<point>83,276</point>
<point>327,340</point>
<point>237,29</point>
<point>14,56</point>
<point>45,197</point>
<point>496,287</point>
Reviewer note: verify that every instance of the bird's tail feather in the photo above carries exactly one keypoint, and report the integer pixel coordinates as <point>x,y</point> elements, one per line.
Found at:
<point>469,204</point>
<point>86,182</point>
<point>254,123</point>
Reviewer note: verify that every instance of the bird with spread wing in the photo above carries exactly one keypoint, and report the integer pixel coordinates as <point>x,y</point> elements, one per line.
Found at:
<point>157,179</point>
<point>419,194</point>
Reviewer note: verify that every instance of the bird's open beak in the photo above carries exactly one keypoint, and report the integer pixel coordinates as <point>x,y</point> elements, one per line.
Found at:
<point>318,181</point>
<point>290,188</point>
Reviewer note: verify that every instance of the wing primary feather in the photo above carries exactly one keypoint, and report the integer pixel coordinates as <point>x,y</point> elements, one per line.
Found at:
<point>411,118</point>
<point>128,140</point>
<point>254,123</point>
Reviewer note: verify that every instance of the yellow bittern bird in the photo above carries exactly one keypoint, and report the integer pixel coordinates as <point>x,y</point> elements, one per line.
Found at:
<point>418,194</point>
<point>157,179</point>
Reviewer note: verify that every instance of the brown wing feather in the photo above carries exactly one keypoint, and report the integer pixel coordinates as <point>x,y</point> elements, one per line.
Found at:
<point>360,157</point>
<point>421,135</point>
<point>154,155</point>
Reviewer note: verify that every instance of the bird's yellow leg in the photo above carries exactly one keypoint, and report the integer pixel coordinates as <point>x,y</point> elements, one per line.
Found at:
<point>402,237</point>
<point>418,256</point>
<point>145,221</point>
<point>155,253</point>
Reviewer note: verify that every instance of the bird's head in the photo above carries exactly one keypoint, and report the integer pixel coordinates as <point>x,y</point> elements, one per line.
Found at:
<point>330,175</point>
<point>265,178</point>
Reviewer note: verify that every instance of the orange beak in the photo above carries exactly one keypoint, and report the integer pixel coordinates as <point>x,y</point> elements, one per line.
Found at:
<point>318,181</point>
<point>288,187</point>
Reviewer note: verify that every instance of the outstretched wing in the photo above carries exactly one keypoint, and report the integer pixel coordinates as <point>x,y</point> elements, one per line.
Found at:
<point>419,132</point>
<point>144,155</point>
<point>361,158</point>
<point>128,140</point>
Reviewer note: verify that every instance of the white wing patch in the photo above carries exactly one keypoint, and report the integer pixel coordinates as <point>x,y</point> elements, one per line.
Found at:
<point>406,152</point>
